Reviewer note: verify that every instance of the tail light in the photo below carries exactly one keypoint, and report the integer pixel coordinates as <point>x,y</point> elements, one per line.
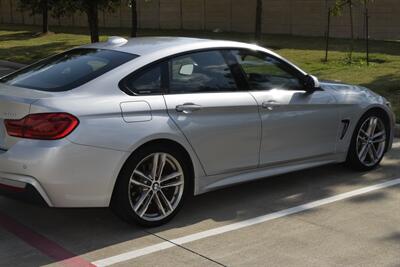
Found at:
<point>43,126</point>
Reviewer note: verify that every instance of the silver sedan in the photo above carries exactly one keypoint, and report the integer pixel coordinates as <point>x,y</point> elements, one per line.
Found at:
<point>142,124</point>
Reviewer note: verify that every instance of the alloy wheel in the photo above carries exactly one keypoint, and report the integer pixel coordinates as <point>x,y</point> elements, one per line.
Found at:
<point>156,186</point>
<point>371,141</point>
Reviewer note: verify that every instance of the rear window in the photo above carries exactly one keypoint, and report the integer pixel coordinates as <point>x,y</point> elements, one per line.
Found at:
<point>67,70</point>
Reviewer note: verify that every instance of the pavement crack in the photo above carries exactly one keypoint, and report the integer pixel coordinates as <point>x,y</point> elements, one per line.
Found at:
<point>187,249</point>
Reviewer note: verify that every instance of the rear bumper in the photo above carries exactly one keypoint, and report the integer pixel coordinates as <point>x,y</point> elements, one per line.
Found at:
<point>24,191</point>
<point>64,174</point>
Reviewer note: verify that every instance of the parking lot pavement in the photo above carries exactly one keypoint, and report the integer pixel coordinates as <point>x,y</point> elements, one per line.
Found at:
<point>360,228</point>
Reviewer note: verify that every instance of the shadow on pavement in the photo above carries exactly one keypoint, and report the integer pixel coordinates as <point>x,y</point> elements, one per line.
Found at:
<point>86,230</point>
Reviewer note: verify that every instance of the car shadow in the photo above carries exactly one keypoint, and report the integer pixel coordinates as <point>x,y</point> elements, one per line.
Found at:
<point>83,231</point>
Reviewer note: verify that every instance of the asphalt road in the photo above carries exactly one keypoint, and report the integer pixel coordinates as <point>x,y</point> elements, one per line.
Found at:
<point>359,228</point>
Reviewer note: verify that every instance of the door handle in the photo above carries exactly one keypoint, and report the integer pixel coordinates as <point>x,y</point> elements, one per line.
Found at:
<point>270,104</point>
<point>187,108</point>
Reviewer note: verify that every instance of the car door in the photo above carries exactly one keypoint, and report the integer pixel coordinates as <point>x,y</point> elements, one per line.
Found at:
<point>220,121</point>
<point>296,124</point>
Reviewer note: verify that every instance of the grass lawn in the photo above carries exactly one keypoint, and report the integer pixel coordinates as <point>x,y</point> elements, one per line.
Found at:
<point>20,44</point>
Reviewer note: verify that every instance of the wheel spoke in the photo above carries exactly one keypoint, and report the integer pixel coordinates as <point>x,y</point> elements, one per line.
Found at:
<point>141,200</point>
<point>379,134</point>
<point>364,133</point>
<point>155,166</point>
<point>161,165</point>
<point>372,126</point>
<point>363,153</point>
<point>379,137</point>
<point>363,139</point>
<point>164,198</point>
<point>173,184</point>
<point>146,205</point>
<point>170,177</point>
<point>159,204</point>
<point>133,181</point>
<point>142,175</point>
<point>372,153</point>
<point>380,140</point>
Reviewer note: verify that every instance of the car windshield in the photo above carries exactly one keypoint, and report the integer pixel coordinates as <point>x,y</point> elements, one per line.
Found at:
<point>67,70</point>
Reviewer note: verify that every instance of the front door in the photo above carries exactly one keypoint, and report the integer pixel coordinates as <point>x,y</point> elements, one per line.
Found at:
<point>296,125</point>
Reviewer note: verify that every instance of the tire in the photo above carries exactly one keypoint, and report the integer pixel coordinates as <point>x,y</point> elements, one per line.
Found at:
<point>136,189</point>
<point>367,150</point>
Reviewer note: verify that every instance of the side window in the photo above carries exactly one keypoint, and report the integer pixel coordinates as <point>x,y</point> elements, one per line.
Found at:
<point>264,72</point>
<point>145,82</point>
<point>200,72</point>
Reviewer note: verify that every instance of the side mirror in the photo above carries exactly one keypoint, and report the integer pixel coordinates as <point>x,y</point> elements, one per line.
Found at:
<point>311,83</point>
<point>186,70</point>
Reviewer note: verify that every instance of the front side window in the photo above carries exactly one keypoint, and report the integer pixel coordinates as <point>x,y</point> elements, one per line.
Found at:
<point>264,72</point>
<point>200,72</point>
<point>67,70</point>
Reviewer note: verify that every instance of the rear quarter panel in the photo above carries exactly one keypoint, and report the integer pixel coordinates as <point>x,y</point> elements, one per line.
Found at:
<point>102,124</point>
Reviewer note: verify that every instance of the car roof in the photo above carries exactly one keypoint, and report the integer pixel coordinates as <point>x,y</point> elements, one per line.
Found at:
<point>147,45</point>
<point>154,48</point>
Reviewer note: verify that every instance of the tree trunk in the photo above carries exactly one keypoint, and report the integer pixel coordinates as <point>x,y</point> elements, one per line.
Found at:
<point>93,20</point>
<point>134,29</point>
<point>351,30</point>
<point>45,14</point>
<point>258,20</point>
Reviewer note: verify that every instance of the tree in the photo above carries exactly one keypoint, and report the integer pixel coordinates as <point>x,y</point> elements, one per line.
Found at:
<point>134,29</point>
<point>38,7</point>
<point>337,10</point>
<point>258,29</point>
<point>90,8</point>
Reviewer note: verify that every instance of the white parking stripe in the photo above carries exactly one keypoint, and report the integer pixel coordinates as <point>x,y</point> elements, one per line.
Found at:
<point>239,225</point>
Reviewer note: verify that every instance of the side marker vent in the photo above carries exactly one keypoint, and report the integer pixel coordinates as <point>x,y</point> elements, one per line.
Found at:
<point>345,126</point>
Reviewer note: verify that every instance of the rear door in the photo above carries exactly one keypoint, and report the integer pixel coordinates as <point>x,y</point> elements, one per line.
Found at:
<point>220,121</point>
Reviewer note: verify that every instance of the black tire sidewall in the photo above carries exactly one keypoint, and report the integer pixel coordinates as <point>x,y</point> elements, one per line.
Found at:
<point>352,158</point>
<point>120,201</point>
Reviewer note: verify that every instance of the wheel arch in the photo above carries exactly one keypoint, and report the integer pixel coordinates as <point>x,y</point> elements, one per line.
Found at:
<point>386,117</point>
<point>160,142</point>
<point>379,110</point>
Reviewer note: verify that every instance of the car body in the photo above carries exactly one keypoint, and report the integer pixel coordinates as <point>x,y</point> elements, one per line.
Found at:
<point>229,137</point>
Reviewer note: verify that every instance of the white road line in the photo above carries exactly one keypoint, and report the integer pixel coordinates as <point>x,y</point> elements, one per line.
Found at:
<point>239,225</point>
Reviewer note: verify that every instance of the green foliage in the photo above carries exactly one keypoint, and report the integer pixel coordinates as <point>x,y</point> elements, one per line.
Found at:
<point>90,7</point>
<point>34,6</point>
<point>67,7</point>
<point>339,5</point>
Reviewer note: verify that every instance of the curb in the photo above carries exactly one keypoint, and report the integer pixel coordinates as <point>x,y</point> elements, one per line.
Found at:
<point>11,65</point>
